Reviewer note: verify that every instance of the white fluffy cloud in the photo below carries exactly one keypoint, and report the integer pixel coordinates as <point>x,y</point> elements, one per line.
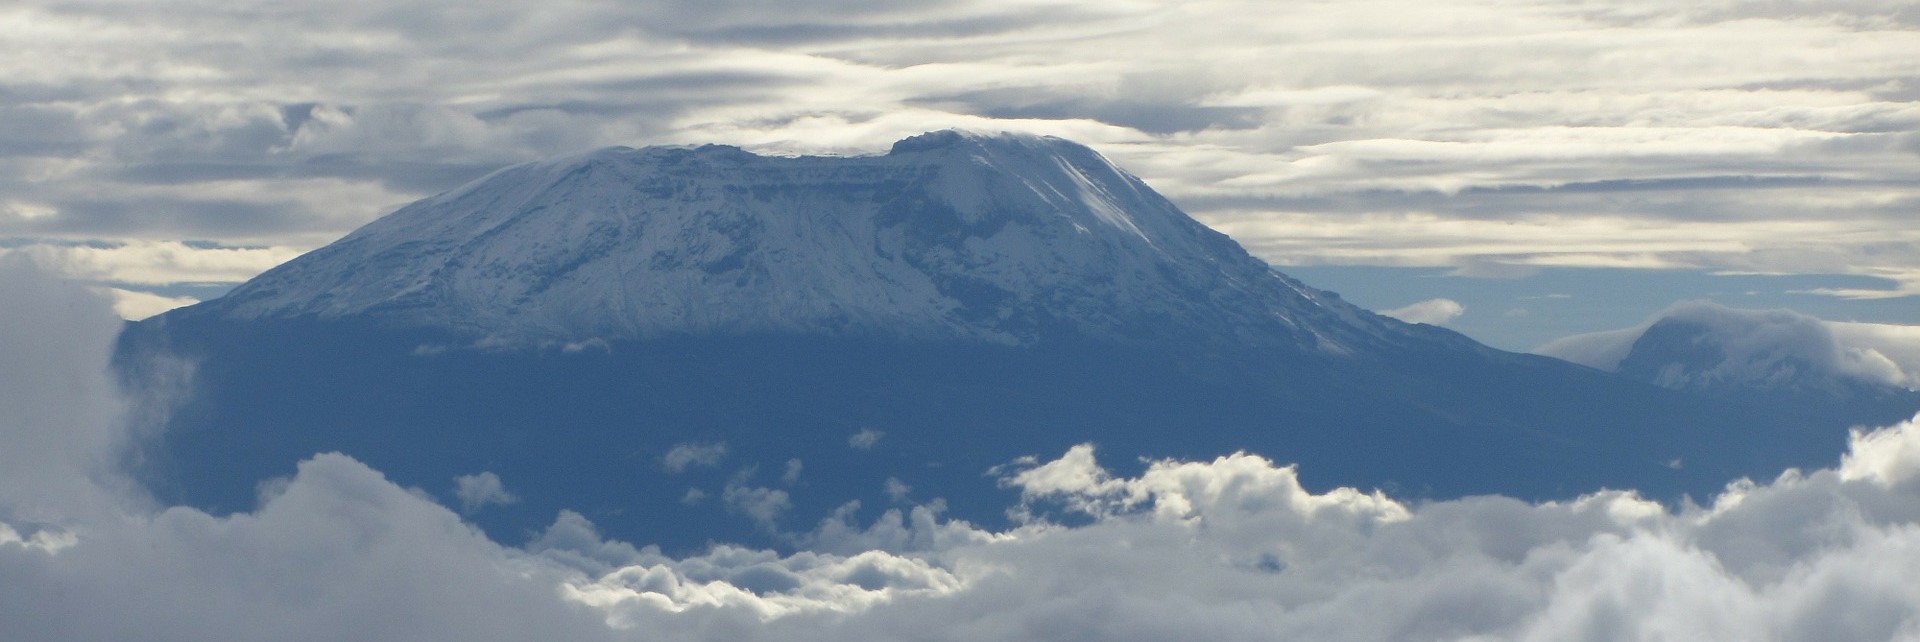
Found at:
<point>761,504</point>
<point>1232,548</point>
<point>683,456</point>
<point>1430,311</point>
<point>479,490</point>
<point>865,439</point>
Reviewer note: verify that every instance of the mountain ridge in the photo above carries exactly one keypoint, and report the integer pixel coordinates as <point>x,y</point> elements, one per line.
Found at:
<point>1705,347</point>
<point>949,235</point>
<point>977,298</point>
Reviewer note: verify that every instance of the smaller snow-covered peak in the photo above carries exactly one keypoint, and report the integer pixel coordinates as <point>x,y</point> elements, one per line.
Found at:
<point>1708,346</point>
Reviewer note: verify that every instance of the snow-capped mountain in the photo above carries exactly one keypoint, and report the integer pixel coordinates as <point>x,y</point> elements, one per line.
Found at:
<point>1705,346</point>
<point>950,236</point>
<point>704,335</point>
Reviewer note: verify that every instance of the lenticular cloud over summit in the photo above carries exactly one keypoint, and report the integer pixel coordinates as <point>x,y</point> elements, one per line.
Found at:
<point>1232,547</point>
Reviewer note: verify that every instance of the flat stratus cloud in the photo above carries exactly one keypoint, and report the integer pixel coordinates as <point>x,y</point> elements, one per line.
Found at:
<point>1229,548</point>
<point>134,305</point>
<point>688,455</point>
<point>156,262</point>
<point>1488,134</point>
<point>1430,311</point>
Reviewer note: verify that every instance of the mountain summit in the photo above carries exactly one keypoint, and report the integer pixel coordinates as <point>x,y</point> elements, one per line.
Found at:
<point>1705,347</point>
<point>652,335</point>
<point>1003,238</point>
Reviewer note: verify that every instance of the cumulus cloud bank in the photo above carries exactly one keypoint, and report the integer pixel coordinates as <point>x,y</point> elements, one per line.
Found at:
<point>1231,548</point>
<point>1754,347</point>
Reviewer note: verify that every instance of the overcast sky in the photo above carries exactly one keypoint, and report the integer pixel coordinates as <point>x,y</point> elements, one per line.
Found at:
<point>155,143</point>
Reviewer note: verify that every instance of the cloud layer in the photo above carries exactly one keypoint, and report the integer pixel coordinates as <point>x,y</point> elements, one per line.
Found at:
<point>1430,311</point>
<point>1489,135</point>
<point>1232,548</point>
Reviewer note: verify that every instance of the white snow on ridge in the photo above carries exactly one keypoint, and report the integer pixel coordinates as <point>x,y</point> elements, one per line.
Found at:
<point>949,235</point>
